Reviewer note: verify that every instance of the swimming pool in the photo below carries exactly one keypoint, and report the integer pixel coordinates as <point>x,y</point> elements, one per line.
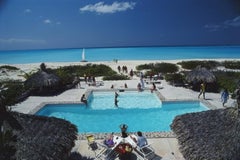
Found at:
<point>144,115</point>
<point>126,100</point>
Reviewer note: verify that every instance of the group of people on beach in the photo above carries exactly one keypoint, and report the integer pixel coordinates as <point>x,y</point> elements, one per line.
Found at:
<point>90,79</point>
<point>124,69</point>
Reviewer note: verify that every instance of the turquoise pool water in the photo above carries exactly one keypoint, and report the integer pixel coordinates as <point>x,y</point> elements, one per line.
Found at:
<point>140,111</point>
<point>126,100</point>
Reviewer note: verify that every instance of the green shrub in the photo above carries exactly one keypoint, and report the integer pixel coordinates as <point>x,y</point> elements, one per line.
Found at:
<point>158,68</point>
<point>9,67</point>
<point>145,66</point>
<point>165,68</point>
<point>227,80</point>
<point>193,64</point>
<point>116,77</point>
<point>232,64</point>
<point>67,73</point>
<point>13,90</point>
<point>175,78</point>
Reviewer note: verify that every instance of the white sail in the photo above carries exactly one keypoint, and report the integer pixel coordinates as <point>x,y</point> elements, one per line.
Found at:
<point>83,55</point>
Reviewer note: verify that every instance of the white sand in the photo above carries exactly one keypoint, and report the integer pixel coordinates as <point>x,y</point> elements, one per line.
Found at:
<point>168,91</point>
<point>131,64</point>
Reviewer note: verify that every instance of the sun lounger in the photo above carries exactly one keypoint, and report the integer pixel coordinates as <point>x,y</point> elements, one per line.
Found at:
<point>144,153</point>
<point>102,152</point>
<point>97,83</point>
<point>148,81</point>
<point>160,86</point>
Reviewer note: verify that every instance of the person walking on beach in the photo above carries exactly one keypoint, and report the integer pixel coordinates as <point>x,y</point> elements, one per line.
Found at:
<point>224,96</point>
<point>119,69</point>
<point>202,90</point>
<point>131,73</point>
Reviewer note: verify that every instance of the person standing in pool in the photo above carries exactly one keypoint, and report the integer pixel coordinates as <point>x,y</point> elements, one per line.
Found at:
<point>116,101</point>
<point>116,94</point>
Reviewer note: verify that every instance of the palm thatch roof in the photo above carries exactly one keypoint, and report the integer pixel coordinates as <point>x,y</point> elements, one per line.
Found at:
<point>200,74</point>
<point>42,79</point>
<point>42,137</point>
<point>209,135</point>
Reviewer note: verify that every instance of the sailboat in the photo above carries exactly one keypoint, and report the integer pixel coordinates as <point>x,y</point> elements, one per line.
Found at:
<point>83,56</point>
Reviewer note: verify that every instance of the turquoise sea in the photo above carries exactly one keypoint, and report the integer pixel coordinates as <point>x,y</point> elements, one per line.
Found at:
<point>129,53</point>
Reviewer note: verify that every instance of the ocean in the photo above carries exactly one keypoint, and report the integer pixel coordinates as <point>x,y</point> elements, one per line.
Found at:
<point>128,53</point>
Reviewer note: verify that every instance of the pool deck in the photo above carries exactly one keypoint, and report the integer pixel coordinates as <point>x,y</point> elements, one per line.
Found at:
<point>163,146</point>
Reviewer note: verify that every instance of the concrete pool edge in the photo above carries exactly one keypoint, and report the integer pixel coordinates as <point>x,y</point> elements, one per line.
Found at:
<point>160,134</point>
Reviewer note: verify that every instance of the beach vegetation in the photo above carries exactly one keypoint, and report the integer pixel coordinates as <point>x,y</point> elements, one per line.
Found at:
<point>193,64</point>
<point>27,75</point>
<point>10,68</point>
<point>68,73</point>
<point>116,77</point>
<point>176,79</point>
<point>227,80</point>
<point>165,68</point>
<point>231,64</point>
<point>155,69</point>
<point>12,90</point>
<point>89,70</point>
<point>145,66</point>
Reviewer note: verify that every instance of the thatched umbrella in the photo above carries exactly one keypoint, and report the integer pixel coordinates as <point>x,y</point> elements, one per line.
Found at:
<point>200,74</point>
<point>42,79</point>
<point>43,137</point>
<point>209,135</point>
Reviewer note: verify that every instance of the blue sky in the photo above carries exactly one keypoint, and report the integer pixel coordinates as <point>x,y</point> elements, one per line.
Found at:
<point>43,24</point>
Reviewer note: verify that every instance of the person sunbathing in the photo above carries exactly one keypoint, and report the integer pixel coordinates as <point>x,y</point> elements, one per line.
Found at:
<point>141,140</point>
<point>109,141</point>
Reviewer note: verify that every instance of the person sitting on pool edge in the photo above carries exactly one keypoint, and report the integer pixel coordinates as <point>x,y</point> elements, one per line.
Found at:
<point>141,140</point>
<point>153,87</point>
<point>84,99</point>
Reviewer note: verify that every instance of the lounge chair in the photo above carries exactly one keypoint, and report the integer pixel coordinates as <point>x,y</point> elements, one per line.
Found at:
<point>144,153</point>
<point>102,152</point>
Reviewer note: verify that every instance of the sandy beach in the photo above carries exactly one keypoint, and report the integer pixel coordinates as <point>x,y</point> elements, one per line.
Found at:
<point>163,146</point>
